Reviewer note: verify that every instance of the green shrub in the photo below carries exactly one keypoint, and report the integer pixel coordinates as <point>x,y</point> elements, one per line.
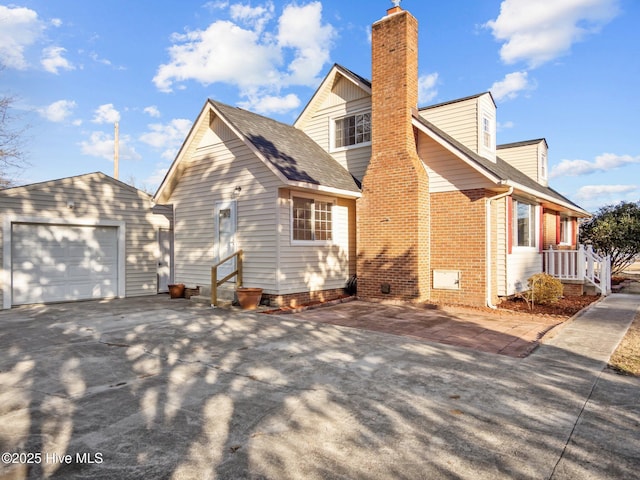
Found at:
<point>543,289</point>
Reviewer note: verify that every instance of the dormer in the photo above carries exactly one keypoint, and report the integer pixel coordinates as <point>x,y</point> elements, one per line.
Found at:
<point>470,120</point>
<point>530,157</point>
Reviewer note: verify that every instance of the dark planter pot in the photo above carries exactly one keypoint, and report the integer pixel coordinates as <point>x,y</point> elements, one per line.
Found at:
<point>249,298</point>
<point>176,290</point>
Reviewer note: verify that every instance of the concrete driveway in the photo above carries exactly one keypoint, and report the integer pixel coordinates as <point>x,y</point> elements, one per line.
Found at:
<point>154,388</point>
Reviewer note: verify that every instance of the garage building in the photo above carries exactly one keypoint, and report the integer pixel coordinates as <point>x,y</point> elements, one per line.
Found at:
<point>84,237</point>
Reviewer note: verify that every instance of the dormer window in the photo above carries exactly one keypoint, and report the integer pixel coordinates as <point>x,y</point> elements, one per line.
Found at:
<point>352,130</point>
<point>486,132</point>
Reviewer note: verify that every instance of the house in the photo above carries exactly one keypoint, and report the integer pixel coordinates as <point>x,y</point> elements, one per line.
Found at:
<point>82,237</point>
<point>420,204</point>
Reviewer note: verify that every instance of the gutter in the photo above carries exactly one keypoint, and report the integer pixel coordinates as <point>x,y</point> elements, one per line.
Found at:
<point>488,241</point>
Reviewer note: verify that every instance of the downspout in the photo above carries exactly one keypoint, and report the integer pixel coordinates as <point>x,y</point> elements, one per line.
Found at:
<point>488,236</point>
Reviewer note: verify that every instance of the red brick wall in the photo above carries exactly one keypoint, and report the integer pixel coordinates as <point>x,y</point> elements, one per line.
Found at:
<point>302,298</point>
<point>459,242</point>
<point>393,213</point>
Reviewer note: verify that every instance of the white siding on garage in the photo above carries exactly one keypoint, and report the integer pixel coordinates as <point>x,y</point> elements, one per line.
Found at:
<point>91,199</point>
<point>211,175</point>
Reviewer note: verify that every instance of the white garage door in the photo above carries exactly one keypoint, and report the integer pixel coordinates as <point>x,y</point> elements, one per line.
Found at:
<point>53,263</point>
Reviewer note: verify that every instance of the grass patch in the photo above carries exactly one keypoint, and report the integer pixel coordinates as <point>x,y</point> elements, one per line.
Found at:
<point>626,358</point>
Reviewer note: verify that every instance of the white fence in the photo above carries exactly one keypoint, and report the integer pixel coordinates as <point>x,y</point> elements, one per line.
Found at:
<point>582,264</point>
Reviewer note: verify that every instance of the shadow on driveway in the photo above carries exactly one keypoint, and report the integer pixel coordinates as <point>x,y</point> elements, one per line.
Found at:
<point>153,388</point>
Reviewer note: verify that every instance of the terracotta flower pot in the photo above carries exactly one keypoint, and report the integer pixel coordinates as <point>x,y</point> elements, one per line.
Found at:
<point>176,290</point>
<point>249,298</point>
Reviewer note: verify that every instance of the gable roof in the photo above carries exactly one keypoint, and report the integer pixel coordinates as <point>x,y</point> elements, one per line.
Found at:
<point>287,151</point>
<point>97,176</point>
<point>522,144</point>
<point>326,86</point>
<point>500,172</point>
<point>458,100</point>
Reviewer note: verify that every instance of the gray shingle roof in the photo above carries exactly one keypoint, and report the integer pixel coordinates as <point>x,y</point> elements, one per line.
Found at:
<point>288,149</point>
<point>500,168</point>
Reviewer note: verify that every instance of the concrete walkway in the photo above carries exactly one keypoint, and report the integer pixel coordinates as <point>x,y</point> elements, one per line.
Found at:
<point>155,388</point>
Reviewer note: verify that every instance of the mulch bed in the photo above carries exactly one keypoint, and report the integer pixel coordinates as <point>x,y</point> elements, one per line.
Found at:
<point>566,306</point>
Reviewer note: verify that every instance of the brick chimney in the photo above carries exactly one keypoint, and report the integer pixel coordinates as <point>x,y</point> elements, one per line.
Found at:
<point>393,213</point>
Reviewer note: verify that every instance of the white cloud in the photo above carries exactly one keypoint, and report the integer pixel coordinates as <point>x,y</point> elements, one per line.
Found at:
<point>155,179</point>
<point>58,111</point>
<point>168,137</point>
<point>106,114</point>
<point>52,60</point>
<point>271,104</point>
<point>224,52</point>
<point>101,145</point>
<point>602,163</point>
<point>301,28</point>
<point>537,31</point>
<point>152,111</point>
<point>427,90</point>
<point>256,17</point>
<point>20,29</point>
<point>511,86</point>
<point>595,196</point>
<point>248,56</point>
<point>505,125</point>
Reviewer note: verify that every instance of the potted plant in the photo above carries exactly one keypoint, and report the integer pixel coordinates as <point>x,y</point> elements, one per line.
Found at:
<point>176,290</point>
<point>249,298</point>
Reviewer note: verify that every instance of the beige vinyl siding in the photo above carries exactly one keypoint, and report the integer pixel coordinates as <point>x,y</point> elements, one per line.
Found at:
<point>344,99</point>
<point>501,245</point>
<point>314,267</point>
<point>446,171</point>
<point>458,119</point>
<point>524,158</point>
<point>96,198</point>
<point>211,175</point>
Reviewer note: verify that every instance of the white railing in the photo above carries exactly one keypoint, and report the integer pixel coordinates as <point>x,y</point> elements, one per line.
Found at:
<point>582,264</point>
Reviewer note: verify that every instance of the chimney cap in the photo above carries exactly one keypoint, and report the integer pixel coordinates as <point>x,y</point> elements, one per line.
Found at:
<point>396,7</point>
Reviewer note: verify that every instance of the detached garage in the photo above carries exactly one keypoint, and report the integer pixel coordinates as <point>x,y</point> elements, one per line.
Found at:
<point>79,238</point>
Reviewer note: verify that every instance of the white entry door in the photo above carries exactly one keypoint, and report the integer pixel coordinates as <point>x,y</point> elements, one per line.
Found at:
<point>225,241</point>
<point>165,241</point>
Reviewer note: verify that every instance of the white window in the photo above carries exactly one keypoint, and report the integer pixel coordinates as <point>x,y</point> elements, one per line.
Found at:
<point>312,219</point>
<point>543,166</point>
<point>524,224</point>
<point>486,132</point>
<point>566,231</point>
<point>352,130</point>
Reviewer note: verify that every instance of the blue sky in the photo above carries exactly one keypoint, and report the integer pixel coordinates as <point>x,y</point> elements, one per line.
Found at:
<point>566,70</point>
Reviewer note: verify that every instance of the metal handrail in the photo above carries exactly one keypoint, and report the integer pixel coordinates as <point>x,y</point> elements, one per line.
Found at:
<point>215,283</point>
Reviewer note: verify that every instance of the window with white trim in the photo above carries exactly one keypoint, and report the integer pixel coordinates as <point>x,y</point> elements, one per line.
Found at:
<point>486,132</point>
<point>312,219</point>
<point>352,130</point>
<point>524,224</point>
<point>566,231</point>
<point>543,166</point>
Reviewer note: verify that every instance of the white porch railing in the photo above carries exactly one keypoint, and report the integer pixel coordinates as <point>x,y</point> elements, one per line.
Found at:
<point>582,264</point>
